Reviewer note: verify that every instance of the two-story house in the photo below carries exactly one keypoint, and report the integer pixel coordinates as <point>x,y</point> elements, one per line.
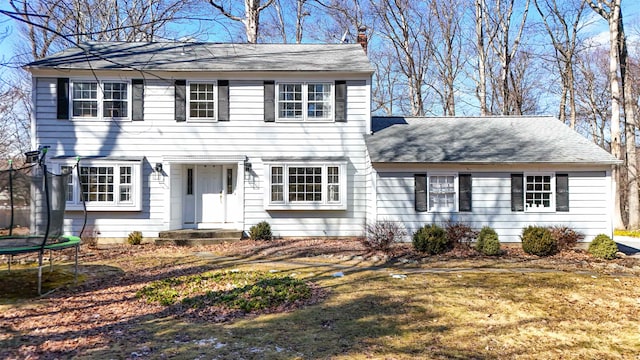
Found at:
<point>196,135</point>
<point>203,135</point>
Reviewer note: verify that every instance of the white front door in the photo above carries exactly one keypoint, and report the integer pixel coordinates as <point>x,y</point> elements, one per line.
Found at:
<point>210,197</point>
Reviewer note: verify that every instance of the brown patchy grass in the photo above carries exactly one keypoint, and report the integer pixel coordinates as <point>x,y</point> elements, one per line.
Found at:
<point>512,307</point>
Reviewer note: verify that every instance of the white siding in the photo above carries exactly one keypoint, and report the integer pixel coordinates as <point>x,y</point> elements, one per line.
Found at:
<point>160,136</point>
<point>589,196</point>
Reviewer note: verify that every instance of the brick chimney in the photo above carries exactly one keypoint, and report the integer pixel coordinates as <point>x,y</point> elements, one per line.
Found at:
<point>362,37</point>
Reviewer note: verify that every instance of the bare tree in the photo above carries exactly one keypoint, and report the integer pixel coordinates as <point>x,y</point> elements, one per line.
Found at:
<point>610,11</point>
<point>500,17</point>
<point>630,127</point>
<point>15,112</point>
<point>446,49</point>
<point>593,96</point>
<point>250,18</point>
<point>562,21</point>
<point>279,21</point>
<point>404,27</point>
<point>481,49</point>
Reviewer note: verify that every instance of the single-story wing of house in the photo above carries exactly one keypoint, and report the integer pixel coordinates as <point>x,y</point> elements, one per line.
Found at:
<point>504,172</point>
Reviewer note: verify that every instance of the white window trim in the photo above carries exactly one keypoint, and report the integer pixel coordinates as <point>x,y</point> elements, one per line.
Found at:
<point>455,198</point>
<point>100,98</point>
<point>552,204</point>
<point>305,108</point>
<point>215,101</point>
<point>136,186</point>
<point>325,204</point>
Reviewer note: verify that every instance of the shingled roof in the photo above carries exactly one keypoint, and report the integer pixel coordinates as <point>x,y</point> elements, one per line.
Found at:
<point>480,140</point>
<point>176,56</point>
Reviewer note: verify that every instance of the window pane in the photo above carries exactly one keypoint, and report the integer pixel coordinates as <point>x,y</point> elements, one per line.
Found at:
<point>202,100</point>
<point>442,192</point>
<point>68,170</point>
<point>97,183</point>
<point>319,101</point>
<point>305,186</point>
<point>333,184</point>
<point>277,184</point>
<point>290,101</point>
<point>115,100</point>
<point>538,192</point>
<point>85,99</point>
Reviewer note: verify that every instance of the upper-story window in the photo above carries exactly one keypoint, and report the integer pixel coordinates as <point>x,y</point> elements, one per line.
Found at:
<point>310,101</point>
<point>106,99</point>
<point>202,101</point>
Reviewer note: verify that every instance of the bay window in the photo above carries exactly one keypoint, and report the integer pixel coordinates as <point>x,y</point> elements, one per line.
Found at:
<point>306,186</point>
<point>105,185</point>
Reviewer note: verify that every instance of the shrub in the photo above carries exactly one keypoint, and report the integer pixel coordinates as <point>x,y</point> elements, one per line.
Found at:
<point>537,240</point>
<point>134,238</point>
<point>603,247</point>
<point>381,234</point>
<point>488,242</point>
<point>431,239</point>
<point>460,234</point>
<point>90,237</point>
<point>260,231</point>
<point>565,237</point>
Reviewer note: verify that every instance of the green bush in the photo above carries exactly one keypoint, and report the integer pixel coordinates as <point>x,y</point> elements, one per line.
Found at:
<point>488,242</point>
<point>603,247</point>
<point>565,237</point>
<point>134,238</point>
<point>260,231</point>
<point>431,239</point>
<point>537,240</point>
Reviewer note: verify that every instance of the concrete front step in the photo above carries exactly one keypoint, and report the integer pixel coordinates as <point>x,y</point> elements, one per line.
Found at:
<point>194,242</point>
<point>200,234</point>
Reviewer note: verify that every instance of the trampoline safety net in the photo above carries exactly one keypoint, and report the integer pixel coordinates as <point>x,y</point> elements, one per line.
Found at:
<point>32,209</point>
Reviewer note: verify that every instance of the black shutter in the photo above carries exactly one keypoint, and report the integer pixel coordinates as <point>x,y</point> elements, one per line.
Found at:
<point>517,195</point>
<point>341,101</point>
<point>137,97</point>
<point>421,192</point>
<point>62,93</point>
<point>181,100</point>
<point>223,100</point>
<point>269,101</point>
<point>562,192</point>
<point>464,200</point>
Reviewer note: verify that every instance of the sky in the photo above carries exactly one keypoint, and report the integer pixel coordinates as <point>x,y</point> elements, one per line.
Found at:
<point>596,29</point>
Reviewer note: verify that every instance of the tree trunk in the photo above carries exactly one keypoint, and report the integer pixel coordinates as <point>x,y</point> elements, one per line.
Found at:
<point>614,78</point>
<point>482,58</point>
<point>633,200</point>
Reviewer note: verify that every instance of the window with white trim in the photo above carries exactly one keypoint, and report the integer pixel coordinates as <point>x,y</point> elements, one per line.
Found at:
<point>539,192</point>
<point>306,186</point>
<point>106,185</point>
<point>305,101</point>
<point>202,101</point>
<point>442,193</point>
<point>104,99</point>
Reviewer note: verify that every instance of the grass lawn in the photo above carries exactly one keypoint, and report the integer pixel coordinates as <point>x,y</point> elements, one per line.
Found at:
<point>483,308</point>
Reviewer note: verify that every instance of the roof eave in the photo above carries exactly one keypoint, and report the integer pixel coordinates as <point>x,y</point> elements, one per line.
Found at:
<point>556,163</point>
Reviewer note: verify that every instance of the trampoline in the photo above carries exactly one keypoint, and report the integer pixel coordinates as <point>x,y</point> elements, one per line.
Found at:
<point>43,195</point>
